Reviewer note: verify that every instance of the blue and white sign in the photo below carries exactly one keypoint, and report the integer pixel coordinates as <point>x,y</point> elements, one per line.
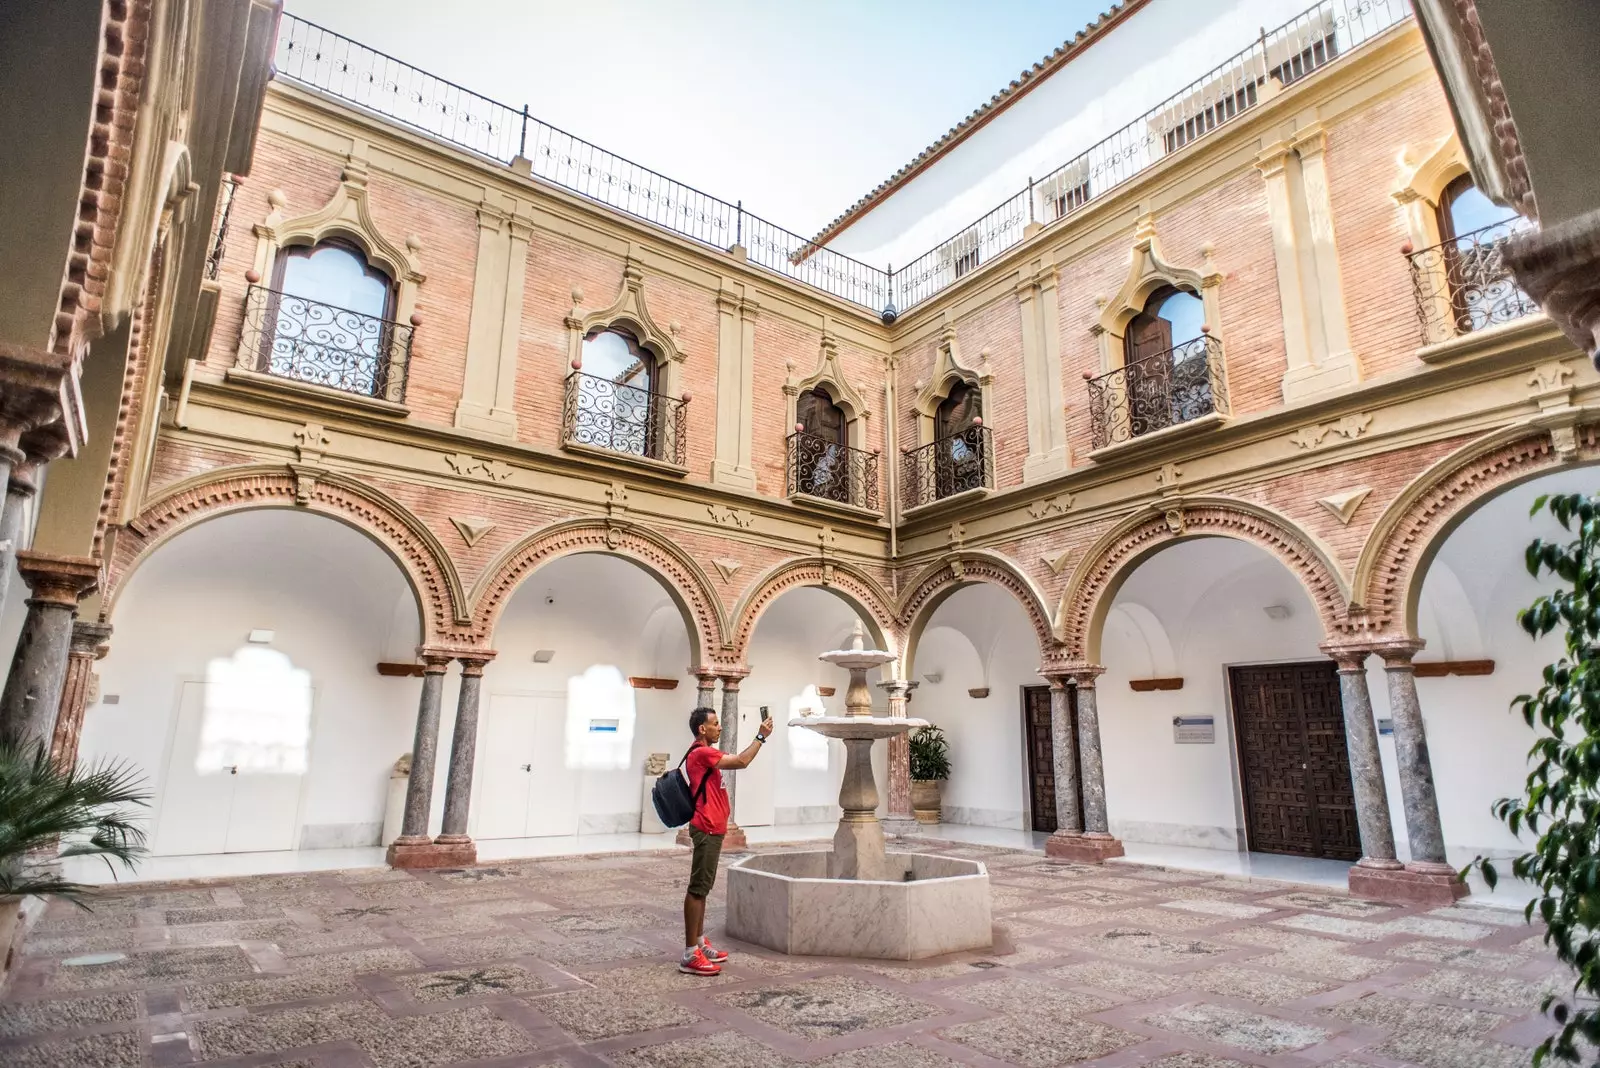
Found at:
<point>1386,726</point>
<point>1194,730</point>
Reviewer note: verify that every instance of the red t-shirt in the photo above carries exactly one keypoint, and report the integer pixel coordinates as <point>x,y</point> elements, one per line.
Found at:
<point>711,810</point>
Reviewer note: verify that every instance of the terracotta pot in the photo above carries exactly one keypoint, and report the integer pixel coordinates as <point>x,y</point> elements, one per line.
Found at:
<point>925,799</point>
<point>10,924</point>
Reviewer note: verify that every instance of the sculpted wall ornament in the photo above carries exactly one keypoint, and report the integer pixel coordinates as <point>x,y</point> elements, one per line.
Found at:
<point>725,516</point>
<point>1344,503</point>
<point>726,568</point>
<point>312,443</point>
<point>472,528</point>
<point>470,466</point>
<point>1552,377</point>
<point>1348,428</point>
<point>1056,564</point>
<point>1168,478</point>
<point>1057,505</point>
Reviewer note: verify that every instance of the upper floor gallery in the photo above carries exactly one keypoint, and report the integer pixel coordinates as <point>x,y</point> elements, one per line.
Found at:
<point>1295,228</point>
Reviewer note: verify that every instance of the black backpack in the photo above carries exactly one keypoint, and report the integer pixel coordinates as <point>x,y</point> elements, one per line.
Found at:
<point>670,795</point>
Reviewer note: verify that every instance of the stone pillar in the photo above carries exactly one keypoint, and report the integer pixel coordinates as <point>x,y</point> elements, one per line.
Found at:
<point>1366,773</point>
<point>1064,749</point>
<point>88,644</point>
<point>1429,877</point>
<point>19,491</point>
<point>729,717</point>
<point>38,670</point>
<point>454,847</point>
<point>413,849</point>
<point>1096,843</point>
<point>899,820</point>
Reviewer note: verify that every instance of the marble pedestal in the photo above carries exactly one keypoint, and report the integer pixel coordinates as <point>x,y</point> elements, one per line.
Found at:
<point>925,906</point>
<point>446,851</point>
<point>1082,848</point>
<point>1414,884</point>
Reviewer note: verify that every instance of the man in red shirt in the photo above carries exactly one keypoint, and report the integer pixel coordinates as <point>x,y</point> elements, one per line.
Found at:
<point>705,764</point>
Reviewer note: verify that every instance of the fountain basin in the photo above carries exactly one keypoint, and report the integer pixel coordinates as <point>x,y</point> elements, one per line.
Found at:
<point>786,902</point>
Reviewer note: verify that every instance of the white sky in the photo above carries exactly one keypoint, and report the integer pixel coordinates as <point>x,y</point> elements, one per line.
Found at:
<point>797,108</point>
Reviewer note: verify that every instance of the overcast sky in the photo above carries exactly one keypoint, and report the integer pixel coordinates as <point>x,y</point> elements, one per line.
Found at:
<point>798,108</point>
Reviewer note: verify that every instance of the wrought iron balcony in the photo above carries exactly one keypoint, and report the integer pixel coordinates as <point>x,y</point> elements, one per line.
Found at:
<point>1463,285</point>
<point>832,472</point>
<point>604,414</point>
<point>955,464</point>
<point>308,341</point>
<point>1181,384</point>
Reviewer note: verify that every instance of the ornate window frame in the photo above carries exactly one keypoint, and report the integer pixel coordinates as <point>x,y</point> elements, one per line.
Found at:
<point>1421,186</point>
<point>1149,271</point>
<point>949,371</point>
<point>629,312</point>
<point>829,376</point>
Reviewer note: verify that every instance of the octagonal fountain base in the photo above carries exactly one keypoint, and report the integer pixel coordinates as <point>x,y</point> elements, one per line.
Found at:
<point>786,902</point>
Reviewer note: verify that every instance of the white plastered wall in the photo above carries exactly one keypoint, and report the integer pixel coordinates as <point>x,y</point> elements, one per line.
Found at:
<point>336,605</point>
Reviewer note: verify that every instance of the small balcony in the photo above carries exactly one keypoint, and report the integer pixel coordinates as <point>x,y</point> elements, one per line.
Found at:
<point>1463,285</point>
<point>1166,389</point>
<point>319,344</point>
<point>824,470</point>
<point>600,413</point>
<point>953,465</point>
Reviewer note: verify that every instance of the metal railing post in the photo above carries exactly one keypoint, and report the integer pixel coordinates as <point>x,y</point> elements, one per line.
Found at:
<point>522,143</point>
<point>738,225</point>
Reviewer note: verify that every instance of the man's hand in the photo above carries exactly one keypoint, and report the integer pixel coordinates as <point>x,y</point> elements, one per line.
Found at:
<point>766,727</point>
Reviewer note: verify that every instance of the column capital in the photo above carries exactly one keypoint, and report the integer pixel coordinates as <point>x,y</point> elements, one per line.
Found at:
<point>896,687</point>
<point>91,638</point>
<point>36,387</point>
<point>58,580</point>
<point>1077,673</point>
<point>473,663</point>
<point>435,659</point>
<point>732,676</point>
<point>1397,652</point>
<point>1348,657</point>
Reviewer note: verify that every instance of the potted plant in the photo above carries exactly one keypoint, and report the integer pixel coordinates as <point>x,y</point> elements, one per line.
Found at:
<point>930,766</point>
<point>52,810</point>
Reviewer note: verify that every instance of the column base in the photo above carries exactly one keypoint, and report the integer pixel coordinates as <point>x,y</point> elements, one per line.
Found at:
<point>446,851</point>
<point>732,842</point>
<point>1082,848</point>
<point>1413,884</point>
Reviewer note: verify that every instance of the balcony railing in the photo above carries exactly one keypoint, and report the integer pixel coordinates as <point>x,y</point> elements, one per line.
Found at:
<point>829,471</point>
<point>1182,384</point>
<point>325,62</point>
<point>955,464</point>
<point>1464,284</point>
<point>308,341</point>
<point>604,414</point>
<point>219,236</point>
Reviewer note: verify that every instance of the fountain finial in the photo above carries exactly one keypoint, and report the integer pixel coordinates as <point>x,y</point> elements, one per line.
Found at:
<point>858,637</point>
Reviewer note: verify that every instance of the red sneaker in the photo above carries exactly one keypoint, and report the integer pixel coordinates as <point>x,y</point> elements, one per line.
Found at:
<point>697,964</point>
<point>713,954</point>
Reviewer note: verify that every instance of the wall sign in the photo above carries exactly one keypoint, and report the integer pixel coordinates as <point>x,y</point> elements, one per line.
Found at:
<point>1386,726</point>
<point>1194,730</point>
<point>603,726</point>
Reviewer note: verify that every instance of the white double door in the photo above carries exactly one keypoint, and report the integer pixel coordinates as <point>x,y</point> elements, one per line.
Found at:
<point>526,787</point>
<point>225,793</point>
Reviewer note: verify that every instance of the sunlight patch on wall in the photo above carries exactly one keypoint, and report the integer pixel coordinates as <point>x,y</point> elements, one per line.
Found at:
<point>600,719</point>
<point>257,715</point>
<point>807,749</point>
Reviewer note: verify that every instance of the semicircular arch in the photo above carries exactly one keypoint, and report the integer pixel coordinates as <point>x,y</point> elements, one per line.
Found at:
<point>441,603</point>
<point>683,579</point>
<point>852,585</point>
<point>938,581</point>
<point>1118,553</point>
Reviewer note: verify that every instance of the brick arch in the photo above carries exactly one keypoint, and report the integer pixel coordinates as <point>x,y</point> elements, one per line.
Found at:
<point>1115,556</point>
<point>852,585</point>
<point>683,579</point>
<point>1404,541</point>
<point>440,601</point>
<point>940,580</point>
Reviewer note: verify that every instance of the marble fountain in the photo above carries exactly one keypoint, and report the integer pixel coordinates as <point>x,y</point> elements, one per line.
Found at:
<point>858,899</point>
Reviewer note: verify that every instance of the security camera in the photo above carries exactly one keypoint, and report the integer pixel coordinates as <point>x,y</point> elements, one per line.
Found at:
<point>549,598</point>
<point>889,314</point>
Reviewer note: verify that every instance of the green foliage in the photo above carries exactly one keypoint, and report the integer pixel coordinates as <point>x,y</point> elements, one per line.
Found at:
<point>42,804</point>
<point>1562,794</point>
<point>930,754</point>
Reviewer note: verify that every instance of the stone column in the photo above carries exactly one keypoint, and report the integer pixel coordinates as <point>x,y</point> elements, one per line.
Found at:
<point>705,687</point>
<point>38,670</point>
<point>1366,768</point>
<point>88,644</point>
<point>729,717</point>
<point>19,491</point>
<point>899,819</point>
<point>453,839</point>
<point>1064,750</point>
<point>1096,843</point>
<point>413,849</point>
<point>1432,878</point>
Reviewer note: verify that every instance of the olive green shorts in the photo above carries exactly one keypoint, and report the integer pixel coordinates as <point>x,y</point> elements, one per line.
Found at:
<point>703,870</point>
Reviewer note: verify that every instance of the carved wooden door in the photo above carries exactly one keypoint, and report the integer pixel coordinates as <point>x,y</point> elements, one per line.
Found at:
<point>1039,739</point>
<point>1293,761</point>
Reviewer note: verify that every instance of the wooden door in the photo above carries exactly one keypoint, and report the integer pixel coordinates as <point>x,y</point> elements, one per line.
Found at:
<point>1039,740</point>
<point>1293,761</point>
<point>1149,372</point>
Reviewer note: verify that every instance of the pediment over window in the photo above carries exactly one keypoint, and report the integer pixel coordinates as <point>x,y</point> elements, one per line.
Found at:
<point>830,376</point>
<point>950,372</point>
<point>1150,271</point>
<point>628,312</point>
<point>346,215</point>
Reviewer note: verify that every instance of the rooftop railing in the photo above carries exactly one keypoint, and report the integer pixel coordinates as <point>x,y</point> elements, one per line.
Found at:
<point>326,62</point>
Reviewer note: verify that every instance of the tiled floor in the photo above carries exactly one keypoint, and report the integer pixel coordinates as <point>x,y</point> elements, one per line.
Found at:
<point>570,961</point>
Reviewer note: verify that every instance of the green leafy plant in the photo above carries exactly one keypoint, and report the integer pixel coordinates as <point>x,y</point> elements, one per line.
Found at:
<point>930,754</point>
<point>43,803</point>
<point>1561,803</point>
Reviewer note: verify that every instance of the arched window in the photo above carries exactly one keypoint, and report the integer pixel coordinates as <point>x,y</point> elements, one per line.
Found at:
<point>329,313</point>
<point>821,464</point>
<point>1464,210</point>
<point>1167,377</point>
<point>615,394</point>
<point>959,449</point>
<point>1471,228</point>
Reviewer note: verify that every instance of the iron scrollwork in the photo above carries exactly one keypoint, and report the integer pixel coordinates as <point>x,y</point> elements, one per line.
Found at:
<point>955,464</point>
<point>620,417</point>
<point>830,471</point>
<point>1183,383</point>
<point>1463,284</point>
<point>308,341</point>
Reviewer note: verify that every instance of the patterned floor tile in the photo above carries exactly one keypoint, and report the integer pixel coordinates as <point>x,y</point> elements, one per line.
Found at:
<point>96,1051</point>
<point>1040,1042</point>
<point>64,1014</point>
<point>827,1008</point>
<point>408,1042</point>
<point>1251,1031</point>
<point>725,1049</point>
<point>593,1014</point>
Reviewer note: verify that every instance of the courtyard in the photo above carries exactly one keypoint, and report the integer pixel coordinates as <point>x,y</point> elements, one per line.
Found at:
<point>569,961</point>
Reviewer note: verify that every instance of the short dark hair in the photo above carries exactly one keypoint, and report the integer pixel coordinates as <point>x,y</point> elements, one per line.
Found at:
<point>698,717</point>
